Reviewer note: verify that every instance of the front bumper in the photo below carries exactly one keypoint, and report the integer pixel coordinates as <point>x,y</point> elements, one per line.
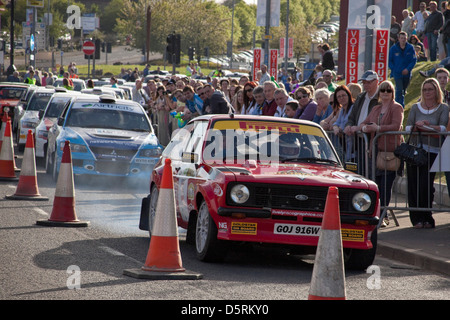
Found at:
<point>259,225</point>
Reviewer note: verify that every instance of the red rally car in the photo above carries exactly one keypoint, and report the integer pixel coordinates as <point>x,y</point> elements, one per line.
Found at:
<point>10,95</point>
<point>263,180</point>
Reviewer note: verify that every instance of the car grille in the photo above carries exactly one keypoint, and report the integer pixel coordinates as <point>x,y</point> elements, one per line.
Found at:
<point>112,167</point>
<point>284,197</point>
<point>102,152</point>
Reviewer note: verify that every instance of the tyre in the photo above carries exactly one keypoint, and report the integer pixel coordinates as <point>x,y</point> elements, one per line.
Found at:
<point>207,246</point>
<point>357,259</point>
<point>154,194</point>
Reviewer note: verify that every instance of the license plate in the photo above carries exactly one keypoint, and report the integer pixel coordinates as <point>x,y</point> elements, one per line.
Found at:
<point>296,229</point>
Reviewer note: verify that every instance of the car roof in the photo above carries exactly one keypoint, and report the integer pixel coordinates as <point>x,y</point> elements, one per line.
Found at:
<point>105,98</point>
<point>15,84</point>
<point>211,117</point>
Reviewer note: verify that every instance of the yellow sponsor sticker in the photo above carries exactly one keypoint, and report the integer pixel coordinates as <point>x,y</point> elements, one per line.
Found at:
<point>249,228</point>
<point>352,235</point>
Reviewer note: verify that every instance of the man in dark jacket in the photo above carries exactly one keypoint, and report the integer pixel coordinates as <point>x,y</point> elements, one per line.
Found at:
<point>434,22</point>
<point>327,57</point>
<point>402,59</point>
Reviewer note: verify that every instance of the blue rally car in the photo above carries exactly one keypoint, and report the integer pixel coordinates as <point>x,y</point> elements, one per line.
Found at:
<point>107,136</point>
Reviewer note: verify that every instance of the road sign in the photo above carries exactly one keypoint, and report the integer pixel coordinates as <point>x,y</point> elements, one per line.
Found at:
<point>88,48</point>
<point>32,43</point>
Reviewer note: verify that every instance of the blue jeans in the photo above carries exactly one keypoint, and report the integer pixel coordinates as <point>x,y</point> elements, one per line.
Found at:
<point>432,44</point>
<point>401,84</point>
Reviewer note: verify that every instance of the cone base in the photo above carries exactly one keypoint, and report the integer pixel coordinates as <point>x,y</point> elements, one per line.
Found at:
<point>25,197</point>
<point>156,269</point>
<point>9,179</point>
<point>70,224</point>
<point>149,275</point>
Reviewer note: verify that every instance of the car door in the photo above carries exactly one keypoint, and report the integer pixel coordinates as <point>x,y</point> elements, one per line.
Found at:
<point>185,170</point>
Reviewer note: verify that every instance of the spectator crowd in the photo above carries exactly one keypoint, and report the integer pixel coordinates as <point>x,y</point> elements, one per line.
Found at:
<point>370,107</point>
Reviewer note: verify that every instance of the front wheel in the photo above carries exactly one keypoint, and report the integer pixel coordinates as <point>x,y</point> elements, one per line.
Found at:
<point>357,259</point>
<point>208,247</point>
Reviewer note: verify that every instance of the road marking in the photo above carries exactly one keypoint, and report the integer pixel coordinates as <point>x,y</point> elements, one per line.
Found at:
<point>112,251</point>
<point>40,212</point>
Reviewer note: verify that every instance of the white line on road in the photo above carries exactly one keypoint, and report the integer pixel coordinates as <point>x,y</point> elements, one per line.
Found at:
<point>40,212</point>
<point>111,251</point>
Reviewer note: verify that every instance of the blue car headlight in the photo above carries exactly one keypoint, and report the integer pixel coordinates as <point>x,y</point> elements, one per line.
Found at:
<point>75,147</point>
<point>151,153</point>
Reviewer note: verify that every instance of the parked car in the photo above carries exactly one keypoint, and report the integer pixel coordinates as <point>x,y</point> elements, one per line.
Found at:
<point>108,136</point>
<point>262,180</point>
<point>48,117</point>
<point>10,95</point>
<point>28,118</point>
<point>78,84</point>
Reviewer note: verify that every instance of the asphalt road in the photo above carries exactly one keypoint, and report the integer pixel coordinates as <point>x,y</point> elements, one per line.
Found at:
<point>48,263</point>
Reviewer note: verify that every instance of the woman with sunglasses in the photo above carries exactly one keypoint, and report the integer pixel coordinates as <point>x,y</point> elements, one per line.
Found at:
<point>428,115</point>
<point>387,116</point>
<point>306,105</point>
<point>344,101</point>
<point>249,101</point>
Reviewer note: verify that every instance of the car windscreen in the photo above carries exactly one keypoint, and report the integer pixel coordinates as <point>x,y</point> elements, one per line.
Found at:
<point>56,107</point>
<point>240,140</point>
<point>77,85</point>
<point>39,101</point>
<point>12,93</point>
<point>107,116</point>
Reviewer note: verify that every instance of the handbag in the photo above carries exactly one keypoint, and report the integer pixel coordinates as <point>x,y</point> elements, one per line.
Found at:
<point>387,161</point>
<point>412,155</point>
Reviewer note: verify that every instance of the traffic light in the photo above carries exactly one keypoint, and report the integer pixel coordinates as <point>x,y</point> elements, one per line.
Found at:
<point>59,44</point>
<point>191,53</point>
<point>206,52</point>
<point>97,49</point>
<point>108,47</point>
<point>170,45</point>
<point>177,48</point>
<point>103,47</point>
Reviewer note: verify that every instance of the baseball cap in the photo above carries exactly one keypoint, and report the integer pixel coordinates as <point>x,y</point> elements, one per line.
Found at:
<point>369,75</point>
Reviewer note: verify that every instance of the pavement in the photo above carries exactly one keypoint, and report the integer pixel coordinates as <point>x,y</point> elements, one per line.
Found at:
<point>427,249</point>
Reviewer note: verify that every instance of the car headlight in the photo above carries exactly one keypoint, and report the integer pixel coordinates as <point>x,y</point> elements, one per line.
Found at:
<point>361,201</point>
<point>29,125</point>
<point>74,147</point>
<point>43,134</point>
<point>154,152</point>
<point>239,193</point>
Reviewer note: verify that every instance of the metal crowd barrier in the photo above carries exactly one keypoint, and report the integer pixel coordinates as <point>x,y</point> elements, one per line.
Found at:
<point>360,152</point>
<point>437,199</point>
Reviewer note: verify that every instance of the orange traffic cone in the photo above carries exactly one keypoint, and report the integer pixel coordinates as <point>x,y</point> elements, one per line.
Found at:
<point>27,189</point>
<point>7,165</point>
<point>63,213</point>
<point>164,252</point>
<point>328,279</point>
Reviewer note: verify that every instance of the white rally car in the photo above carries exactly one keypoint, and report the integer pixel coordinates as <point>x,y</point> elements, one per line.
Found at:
<point>48,117</point>
<point>108,136</point>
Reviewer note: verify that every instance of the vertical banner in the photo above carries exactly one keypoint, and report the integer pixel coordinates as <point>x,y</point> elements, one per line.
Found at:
<point>257,55</point>
<point>291,48</point>
<point>373,16</point>
<point>273,59</point>
<point>282,46</point>
<point>351,68</point>
<point>381,54</point>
